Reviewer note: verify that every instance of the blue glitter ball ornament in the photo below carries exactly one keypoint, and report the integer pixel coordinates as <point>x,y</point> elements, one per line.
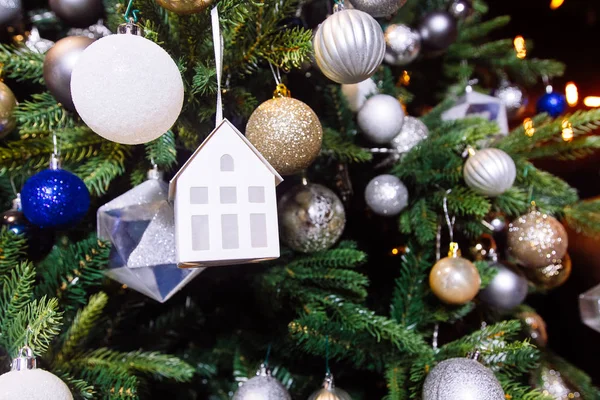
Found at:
<point>552,103</point>
<point>54,198</point>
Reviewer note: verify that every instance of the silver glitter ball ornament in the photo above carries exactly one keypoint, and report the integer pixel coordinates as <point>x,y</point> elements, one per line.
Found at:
<point>262,387</point>
<point>378,8</point>
<point>460,379</point>
<point>438,30</point>
<point>381,118</point>
<point>412,133</point>
<point>386,195</point>
<point>311,218</point>
<point>403,44</point>
<point>329,391</point>
<point>507,290</point>
<point>461,9</point>
<point>490,172</point>
<point>356,94</point>
<point>513,98</point>
<point>535,239</point>
<point>349,46</point>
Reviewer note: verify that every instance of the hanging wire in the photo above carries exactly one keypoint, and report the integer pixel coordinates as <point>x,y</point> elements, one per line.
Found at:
<point>131,15</point>
<point>327,370</point>
<point>436,333</point>
<point>449,221</point>
<point>438,242</point>
<point>14,187</point>
<point>276,75</point>
<point>268,354</point>
<point>55,144</point>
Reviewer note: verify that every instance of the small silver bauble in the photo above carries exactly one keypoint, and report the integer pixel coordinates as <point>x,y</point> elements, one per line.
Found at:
<point>507,290</point>
<point>402,44</point>
<point>381,118</point>
<point>77,13</point>
<point>263,386</point>
<point>311,218</point>
<point>461,9</point>
<point>438,30</point>
<point>412,133</point>
<point>378,8</point>
<point>10,12</point>
<point>329,391</point>
<point>513,98</point>
<point>386,195</point>
<point>490,172</point>
<point>460,379</point>
<point>356,94</point>
<point>349,46</point>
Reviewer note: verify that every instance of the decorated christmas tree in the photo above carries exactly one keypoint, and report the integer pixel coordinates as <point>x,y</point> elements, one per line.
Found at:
<point>215,199</point>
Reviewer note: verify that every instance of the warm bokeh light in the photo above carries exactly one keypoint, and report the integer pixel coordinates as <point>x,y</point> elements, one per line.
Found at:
<point>592,101</point>
<point>528,126</point>
<point>404,79</point>
<point>395,251</point>
<point>572,94</point>
<point>554,4</point>
<point>520,47</point>
<point>567,131</point>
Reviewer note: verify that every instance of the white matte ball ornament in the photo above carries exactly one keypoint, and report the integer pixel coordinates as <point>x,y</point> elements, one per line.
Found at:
<point>490,172</point>
<point>356,94</point>
<point>349,46</point>
<point>127,89</point>
<point>381,118</point>
<point>386,195</point>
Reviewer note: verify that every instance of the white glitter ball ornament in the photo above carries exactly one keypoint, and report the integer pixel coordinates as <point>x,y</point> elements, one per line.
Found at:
<point>490,172</point>
<point>460,379</point>
<point>381,118</point>
<point>349,46</point>
<point>386,195</point>
<point>356,94</point>
<point>262,387</point>
<point>127,89</point>
<point>412,133</point>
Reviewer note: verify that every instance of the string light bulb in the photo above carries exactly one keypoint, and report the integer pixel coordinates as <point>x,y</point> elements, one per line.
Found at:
<point>592,101</point>
<point>572,94</point>
<point>555,4</point>
<point>520,47</point>
<point>567,131</point>
<point>528,126</point>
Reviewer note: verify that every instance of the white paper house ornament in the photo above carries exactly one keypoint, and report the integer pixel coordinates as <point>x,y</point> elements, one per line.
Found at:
<point>474,104</point>
<point>225,203</point>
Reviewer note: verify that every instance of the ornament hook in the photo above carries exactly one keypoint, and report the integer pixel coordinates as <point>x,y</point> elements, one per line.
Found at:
<point>131,16</point>
<point>449,221</point>
<point>25,360</point>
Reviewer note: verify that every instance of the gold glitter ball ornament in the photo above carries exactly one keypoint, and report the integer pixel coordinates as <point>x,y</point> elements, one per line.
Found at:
<point>552,275</point>
<point>184,7</point>
<point>453,279</point>
<point>287,132</point>
<point>535,239</point>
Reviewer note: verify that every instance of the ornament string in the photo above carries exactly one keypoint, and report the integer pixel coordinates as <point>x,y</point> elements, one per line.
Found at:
<point>218,45</point>
<point>268,354</point>
<point>449,221</point>
<point>276,75</point>
<point>327,370</point>
<point>434,338</point>
<point>131,15</point>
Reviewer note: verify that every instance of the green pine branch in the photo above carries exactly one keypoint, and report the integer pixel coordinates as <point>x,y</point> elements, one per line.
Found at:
<point>578,148</point>
<point>343,150</point>
<point>17,292</point>
<point>162,151</point>
<point>12,250</point>
<point>22,64</point>
<point>98,171</point>
<point>42,113</point>
<point>584,217</point>
<point>395,377</point>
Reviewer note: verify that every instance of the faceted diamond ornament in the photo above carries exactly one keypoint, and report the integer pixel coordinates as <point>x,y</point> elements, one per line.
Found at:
<point>140,226</point>
<point>589,307</point>
<point>474,104</point>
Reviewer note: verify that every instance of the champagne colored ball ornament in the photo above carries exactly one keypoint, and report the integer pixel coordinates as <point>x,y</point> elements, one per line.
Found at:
<point>386,195</point>
<point>461,9</point>
<point>535,327</point>
<point>453,279</point>
<point>262,387</point>
<point>551,276</point>
<point>507,289</point>
<point>490,172</point>
<point>127,88</point>
<point>535,239</point>
<point>10,12</point>
<point>311,218</point>
<point>356,94</point>
<point>26,381</point>
<point>58,67</point>
<point>460,379</point>
<point>349,46</point>
<point>412,133</point>
<point>513,97</point>
<point>287,133</point>
<point>378,8</point>
<point>438,30</point>
<point>381,118</point>
<point>77,13</point>
<point>185,7</point>
<point>403,44</point>
<point>329,391</point>
<point>8,102</point>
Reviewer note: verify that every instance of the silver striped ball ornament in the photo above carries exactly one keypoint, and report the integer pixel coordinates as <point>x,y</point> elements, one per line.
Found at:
<point>349,46</point>
<point>490,172</point>
<point>460,379</point>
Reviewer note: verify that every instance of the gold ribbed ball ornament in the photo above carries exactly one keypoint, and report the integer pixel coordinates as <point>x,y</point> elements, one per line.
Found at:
<point>454,280</point>
<point>286,131</point>
<point>552,275</point>
<point>184,7</point>
<point>535,239</point>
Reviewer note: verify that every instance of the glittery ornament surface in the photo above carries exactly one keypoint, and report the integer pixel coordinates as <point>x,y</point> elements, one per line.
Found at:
<point>54,198</point>
<point>551,383</point>
<point>312,218</point>
<point>378,8</point>
<point>490,172</point>
<point>535,239</point>
<point>8,102</point>
<point>461,379</point>
<point>552,275</point>
<point>287,133</point>
<point>262,387</point>
<point>403,44</point>
<point>184,7</point>
<point>386,195</point>
<point>412,133</point>
<point>381,118</point>
<point>33,384</point>
<point>513,98</point>
<point>506,290</point>
<point>454,280</point>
